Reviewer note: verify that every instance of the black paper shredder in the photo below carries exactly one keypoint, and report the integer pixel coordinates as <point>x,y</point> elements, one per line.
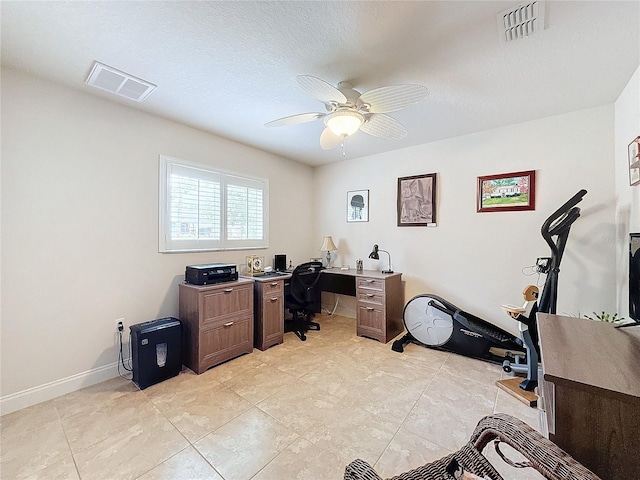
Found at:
<point>156,352</point>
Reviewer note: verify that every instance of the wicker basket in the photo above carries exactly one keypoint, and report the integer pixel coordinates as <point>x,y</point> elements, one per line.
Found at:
<point>542,455</point>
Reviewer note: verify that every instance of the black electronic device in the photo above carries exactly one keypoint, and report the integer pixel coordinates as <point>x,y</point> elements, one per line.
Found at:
<point>634,276</point>
<point>634,279</point>
<point>211,273</point>
<point>280,263</point>
<point>156,353</point>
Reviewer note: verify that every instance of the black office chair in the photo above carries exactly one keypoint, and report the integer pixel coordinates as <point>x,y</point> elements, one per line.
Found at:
<point>299,299</point>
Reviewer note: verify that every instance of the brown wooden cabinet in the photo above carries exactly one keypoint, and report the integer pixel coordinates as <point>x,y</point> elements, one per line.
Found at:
<point>380,303</point>
<point>590,392</point>
<point>268,311</point>
<point>217,322</point>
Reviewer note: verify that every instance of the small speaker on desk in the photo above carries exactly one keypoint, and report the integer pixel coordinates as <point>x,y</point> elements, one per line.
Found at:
<point>280,263</point>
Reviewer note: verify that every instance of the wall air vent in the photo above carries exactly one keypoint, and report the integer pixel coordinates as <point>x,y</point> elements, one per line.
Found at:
<point>521,21</point>
<point>111,80</point>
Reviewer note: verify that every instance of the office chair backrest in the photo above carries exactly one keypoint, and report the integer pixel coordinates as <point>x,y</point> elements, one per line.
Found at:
<point>303,279</point>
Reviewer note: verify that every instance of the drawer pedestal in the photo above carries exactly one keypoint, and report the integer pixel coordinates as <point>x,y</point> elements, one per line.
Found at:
<point>217,322</point>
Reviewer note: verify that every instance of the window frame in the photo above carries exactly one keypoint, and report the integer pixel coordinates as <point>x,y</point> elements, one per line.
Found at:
<point>168,245</point>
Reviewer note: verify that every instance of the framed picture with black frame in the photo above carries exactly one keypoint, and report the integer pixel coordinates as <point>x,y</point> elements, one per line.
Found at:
<point>634,161</point>
<point>358,206</point>
<point>416,202</point>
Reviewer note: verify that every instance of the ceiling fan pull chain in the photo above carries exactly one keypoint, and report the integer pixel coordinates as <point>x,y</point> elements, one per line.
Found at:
<point>343,152</point>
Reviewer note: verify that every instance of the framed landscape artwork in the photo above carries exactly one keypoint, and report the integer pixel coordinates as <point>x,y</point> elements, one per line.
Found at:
<point>507,192</point>
<point>417,200</point>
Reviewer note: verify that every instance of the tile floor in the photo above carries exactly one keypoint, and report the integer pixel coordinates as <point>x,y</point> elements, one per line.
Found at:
<point>300,410</point>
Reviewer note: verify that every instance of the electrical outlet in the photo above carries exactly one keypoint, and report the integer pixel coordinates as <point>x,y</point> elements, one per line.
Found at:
<point>117,335</point>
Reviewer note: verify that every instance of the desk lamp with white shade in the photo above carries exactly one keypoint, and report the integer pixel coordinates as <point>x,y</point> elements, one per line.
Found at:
<point>328,246</point>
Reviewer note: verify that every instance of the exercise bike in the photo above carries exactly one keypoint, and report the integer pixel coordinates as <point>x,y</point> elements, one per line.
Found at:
<point>436,323</point>
<point>555,231</point>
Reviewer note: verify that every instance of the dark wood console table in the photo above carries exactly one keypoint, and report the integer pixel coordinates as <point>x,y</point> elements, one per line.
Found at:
<point>590,393</point>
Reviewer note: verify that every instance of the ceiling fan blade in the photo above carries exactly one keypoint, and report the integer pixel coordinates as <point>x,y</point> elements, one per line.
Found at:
<point>394,97</point>
<point>321,90</point>
<point>383,126</point>
<point>294,119</point>
<point>329,140</point>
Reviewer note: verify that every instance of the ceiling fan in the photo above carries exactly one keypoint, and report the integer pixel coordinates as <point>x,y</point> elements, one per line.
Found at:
<point>349,111</point>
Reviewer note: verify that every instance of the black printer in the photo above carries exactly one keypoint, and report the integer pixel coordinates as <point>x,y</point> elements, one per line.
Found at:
<point>210,273</point>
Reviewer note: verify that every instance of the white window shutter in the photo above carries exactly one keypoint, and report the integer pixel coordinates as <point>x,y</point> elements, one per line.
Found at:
<point>196,216</point>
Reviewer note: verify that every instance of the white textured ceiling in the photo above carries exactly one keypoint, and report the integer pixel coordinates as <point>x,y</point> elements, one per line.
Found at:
<point>230,67</point>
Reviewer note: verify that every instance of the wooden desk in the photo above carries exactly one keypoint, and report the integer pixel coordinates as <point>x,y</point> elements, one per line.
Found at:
<point>380,300</point>
<point>379,309</point>
<point>590,392</point>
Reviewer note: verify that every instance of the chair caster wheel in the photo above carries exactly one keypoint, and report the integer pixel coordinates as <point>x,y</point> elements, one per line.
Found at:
<point>300,335</point>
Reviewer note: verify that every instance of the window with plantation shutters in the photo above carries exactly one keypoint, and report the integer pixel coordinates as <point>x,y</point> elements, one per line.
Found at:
<point>202,208</point>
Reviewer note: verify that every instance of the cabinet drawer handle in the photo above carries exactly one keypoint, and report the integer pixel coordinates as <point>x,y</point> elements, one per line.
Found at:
<point>228,324</point>
<point>274,299</point>
<point>370,308</point>
<point>274,284</point>
<point>370,295</point>
<point>228,290</point>
<point>368,280</point>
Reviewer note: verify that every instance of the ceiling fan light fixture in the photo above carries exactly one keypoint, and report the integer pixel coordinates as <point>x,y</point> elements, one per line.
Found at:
<point>344,122</point>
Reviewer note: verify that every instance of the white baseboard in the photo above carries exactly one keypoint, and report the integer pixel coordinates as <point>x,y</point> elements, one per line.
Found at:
<point>42,393</point>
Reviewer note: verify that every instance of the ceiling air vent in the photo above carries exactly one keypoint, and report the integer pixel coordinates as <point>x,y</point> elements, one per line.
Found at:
<point>111,80</point>
<point>521,21</point>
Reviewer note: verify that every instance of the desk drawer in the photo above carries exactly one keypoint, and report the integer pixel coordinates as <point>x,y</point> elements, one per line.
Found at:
<point>365,283</point>
<point>269,326</point>
<point>371,323</point>
<point>225,341</point>
<point>273,288</point>
<point>223,304</point>
<point>370,297</point>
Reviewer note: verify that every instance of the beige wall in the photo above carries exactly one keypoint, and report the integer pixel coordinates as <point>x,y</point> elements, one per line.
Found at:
<point>80,229</point>
<point>79,221</point>
<point>627,127</point>
<point>475,260</point>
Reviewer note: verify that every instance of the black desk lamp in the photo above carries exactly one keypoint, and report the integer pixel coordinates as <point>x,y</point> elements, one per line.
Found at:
<point>375,256</point>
